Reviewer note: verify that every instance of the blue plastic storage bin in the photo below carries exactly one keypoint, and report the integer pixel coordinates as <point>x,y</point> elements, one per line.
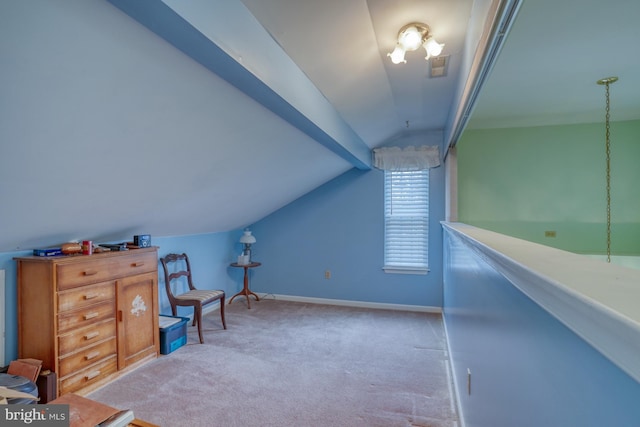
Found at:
<point>173,333</point>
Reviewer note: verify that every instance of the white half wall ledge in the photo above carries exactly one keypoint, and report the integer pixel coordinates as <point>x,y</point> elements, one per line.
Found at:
<point>596,300</point>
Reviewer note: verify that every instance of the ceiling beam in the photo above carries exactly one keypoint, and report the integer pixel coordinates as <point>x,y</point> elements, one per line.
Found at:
<point>227,39</point>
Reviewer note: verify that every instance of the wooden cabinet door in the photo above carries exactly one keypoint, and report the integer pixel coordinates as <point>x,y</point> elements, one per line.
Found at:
<point>138,334</point>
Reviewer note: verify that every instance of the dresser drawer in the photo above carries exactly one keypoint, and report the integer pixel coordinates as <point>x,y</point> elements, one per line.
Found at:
<point>94,270</point>
<point>88,376</point>
<point>86,316</point>
<point>79,338</point>
<point>76,361</point>
<point>86,295</point>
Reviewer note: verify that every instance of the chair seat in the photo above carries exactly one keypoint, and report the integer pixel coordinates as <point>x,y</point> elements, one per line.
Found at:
<point>200,295</point>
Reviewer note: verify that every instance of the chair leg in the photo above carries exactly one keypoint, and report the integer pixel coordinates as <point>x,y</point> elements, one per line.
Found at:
<point>224,324</point>
<point>197,314</point>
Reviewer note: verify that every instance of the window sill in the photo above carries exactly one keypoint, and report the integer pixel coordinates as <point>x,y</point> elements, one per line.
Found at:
<point>405,270</point>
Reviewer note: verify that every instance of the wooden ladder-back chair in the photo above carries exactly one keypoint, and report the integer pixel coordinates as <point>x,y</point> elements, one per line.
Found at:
<point>193,297</point>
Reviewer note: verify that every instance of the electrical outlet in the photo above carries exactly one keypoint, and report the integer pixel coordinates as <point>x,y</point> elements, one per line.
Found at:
<point>327,274</point>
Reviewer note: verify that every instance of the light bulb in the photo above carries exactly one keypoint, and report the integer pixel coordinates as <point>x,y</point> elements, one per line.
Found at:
<point>410,39</point>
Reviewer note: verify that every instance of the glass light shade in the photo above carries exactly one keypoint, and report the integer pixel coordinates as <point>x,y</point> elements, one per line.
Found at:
<point>247,237</point>
<point>410,39</point>
<point>397,56</point>
<point>432,47</point>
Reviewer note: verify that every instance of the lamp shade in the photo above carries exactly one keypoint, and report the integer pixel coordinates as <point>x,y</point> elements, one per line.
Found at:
<point>397,56</point>
<point>432,47</point>
<point>247,237</point>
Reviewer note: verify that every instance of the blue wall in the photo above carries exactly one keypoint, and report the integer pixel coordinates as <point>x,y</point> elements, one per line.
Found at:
<point>10,310</point>
<point>337,227</point>
<point>340,227</point>
<point>210,255</point>
<point>527,368</point>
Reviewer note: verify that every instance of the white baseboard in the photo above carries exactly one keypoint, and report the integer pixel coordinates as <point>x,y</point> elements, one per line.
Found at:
<point>349,303</point>
<point>208,309</point>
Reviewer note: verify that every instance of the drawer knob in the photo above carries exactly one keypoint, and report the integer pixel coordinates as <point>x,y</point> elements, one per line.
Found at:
<point>91,375</point>
<point>89,272</point>
<point>90,296</point>
<point>91,335</point>
<point>137,264</point>
<point>92,355</point>
<point>90,315</point>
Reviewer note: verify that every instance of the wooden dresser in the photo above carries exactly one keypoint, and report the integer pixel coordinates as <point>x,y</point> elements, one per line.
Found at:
<point>89,318</point>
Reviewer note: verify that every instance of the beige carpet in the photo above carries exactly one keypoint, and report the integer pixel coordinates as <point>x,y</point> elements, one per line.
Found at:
<point>295,364</point>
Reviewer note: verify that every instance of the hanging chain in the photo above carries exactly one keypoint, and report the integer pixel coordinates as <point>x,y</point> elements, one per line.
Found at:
<point>606,82</point>
<point>608,172</point>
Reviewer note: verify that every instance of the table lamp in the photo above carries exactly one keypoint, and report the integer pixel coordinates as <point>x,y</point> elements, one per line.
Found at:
<point>247,239</point>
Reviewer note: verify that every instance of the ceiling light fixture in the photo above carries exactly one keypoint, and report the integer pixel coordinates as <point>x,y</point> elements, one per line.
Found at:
<point>411,37</point>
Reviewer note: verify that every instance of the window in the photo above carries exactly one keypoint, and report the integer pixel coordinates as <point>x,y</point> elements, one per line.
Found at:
<point>406,221</point>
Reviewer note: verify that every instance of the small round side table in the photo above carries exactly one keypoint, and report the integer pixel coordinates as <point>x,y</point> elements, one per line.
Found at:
<point>246,291</point>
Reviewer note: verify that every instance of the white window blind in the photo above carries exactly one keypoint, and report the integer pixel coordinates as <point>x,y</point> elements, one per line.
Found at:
<point>406,200</point>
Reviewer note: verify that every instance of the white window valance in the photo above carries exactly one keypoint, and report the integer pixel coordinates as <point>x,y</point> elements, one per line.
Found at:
<point>406,159</point>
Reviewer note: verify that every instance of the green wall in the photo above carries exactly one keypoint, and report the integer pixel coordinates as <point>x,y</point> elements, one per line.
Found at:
<point>526,181</point>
